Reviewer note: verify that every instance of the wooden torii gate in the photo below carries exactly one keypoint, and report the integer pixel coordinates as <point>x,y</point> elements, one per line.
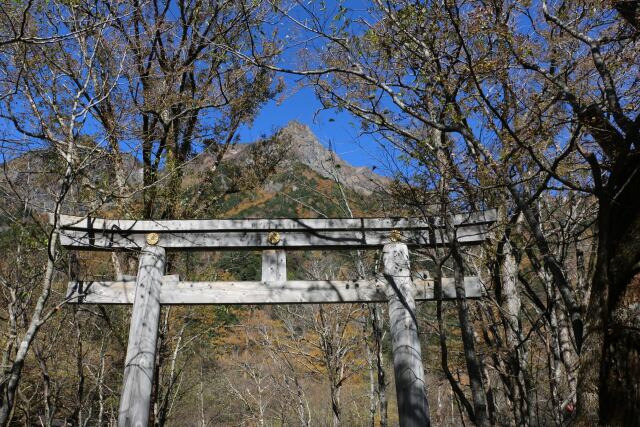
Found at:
<point>152,288</point>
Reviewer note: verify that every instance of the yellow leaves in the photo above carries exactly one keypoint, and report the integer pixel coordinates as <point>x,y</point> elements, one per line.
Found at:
<point>486,66</point>
<point>259,198</point>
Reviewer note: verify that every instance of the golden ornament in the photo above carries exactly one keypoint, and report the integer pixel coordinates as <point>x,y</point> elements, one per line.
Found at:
<point>395,236</point>
<point>273,237</point>
<point>153,239</point>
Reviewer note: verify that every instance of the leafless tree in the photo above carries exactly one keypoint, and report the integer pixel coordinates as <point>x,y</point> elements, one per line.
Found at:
<point>52,117</point>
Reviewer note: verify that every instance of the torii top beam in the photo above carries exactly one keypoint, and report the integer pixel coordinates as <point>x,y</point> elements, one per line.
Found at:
<point>89,233</point>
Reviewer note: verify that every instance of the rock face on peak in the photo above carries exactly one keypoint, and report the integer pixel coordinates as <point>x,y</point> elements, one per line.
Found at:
<point>307,149</point>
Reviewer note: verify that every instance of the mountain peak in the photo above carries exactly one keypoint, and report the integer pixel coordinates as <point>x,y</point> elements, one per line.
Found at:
<point>297,128</point>
<point>306,148</point>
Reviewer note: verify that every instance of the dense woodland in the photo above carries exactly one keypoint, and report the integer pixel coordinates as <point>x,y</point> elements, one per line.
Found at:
<point>133,109</point>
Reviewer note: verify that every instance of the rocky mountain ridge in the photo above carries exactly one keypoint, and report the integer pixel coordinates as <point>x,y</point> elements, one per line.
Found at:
<point>305,148</point>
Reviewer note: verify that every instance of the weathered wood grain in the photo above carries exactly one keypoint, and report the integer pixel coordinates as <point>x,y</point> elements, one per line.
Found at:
<point>119,240</point>
<point>305,224</point>
<point>274,265</point>
<point>143,335</point>
<point>411,391</point>
<point>174,292</point>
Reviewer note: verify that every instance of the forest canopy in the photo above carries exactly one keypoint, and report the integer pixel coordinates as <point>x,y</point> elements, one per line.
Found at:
<point>134,110</point>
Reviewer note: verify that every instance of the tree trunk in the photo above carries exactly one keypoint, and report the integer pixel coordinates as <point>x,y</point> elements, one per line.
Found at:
<point>335,404</point>
<point>620,368</point>
<point>8,389</point>
<point>608,386</point>
<point>378,328</point>
<point>567,353</point>
<point>371,371</point>
<point>46,388</point>
<point>511,304</point>
<point>474,369</point>
<point>80,394</point>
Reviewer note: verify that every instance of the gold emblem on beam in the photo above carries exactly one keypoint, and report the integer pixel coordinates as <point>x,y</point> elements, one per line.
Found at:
<point>273,237</point>
<point>153,239</point>
<point>395,236</point>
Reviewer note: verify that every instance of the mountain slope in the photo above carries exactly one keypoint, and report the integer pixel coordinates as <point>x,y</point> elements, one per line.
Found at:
<point>305,148</point>
<point>306,180</point>
<point>308,150</point>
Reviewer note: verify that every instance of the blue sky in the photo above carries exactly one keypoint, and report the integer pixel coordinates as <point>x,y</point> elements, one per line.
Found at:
<point>339,129</point>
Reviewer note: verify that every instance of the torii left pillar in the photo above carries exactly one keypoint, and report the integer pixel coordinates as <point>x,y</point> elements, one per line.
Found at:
<point>411,391</point>
<point>143,337</point>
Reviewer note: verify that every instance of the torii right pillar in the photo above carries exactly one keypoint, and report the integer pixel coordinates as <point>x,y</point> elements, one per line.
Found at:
<point>411,391</point>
